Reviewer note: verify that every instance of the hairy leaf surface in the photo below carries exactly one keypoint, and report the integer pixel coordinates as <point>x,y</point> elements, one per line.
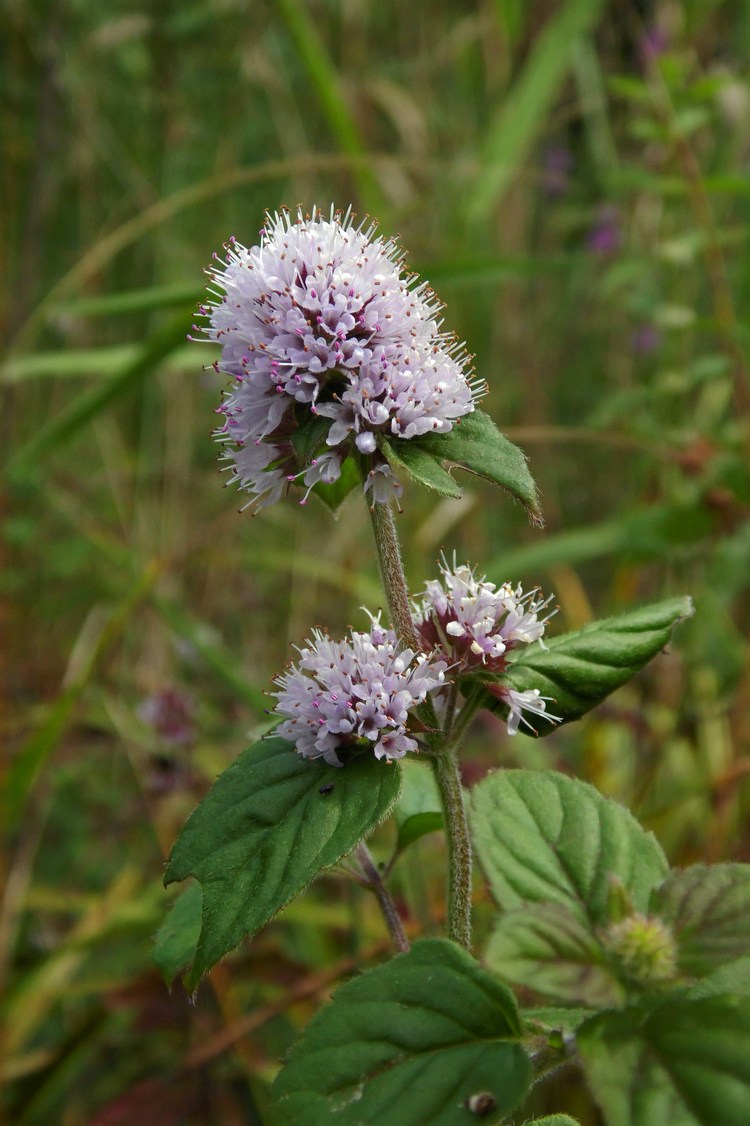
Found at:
<point>408,1042</point>
<point>579,669</point>
<point>177,937</point>
<point>708,908</point>
<point>271,822</point>
<point>422,466</point>
<point>542,837</point>
<point>544,947</point>
<point>686,1064</point>
<point>476,444</point>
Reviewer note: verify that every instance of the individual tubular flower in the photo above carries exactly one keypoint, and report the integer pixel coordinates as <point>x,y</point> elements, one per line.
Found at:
<point>259,468</point>
<point>382,484</point>
<point>355,693</point>
<point>476,625</point>
<point>320,320</point>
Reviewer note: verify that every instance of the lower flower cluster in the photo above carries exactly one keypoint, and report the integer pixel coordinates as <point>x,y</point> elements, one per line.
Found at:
<point>364,691</point>
<point>355,693</point>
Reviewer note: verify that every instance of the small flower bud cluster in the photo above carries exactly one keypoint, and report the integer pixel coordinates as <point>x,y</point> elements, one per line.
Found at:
<point>319,319</point>
<point>644,948</point>
<point>477,625</point>
<point>355,693</point>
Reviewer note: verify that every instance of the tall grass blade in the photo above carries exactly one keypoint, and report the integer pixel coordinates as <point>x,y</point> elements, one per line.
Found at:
<point>96,399</point>
<point>26,766</point>
<point>520,117</point>
<point>327,86</point>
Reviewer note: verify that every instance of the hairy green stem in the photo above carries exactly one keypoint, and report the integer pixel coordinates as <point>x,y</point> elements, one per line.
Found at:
<point>443,755</point>
<point>445,768</point>
<point>384,898</point>
<point>392,572</point>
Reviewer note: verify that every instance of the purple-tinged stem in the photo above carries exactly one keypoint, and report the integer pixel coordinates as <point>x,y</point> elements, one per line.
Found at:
<point>384,898</point>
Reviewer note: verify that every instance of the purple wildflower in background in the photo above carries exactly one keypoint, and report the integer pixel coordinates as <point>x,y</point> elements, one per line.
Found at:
<point>354,693</point>
<point>476,625</point>
<point>645,339</point>
<point>171,713</point>
<point>321,320</point>
<point>604,237</point>
<point>652,45</point>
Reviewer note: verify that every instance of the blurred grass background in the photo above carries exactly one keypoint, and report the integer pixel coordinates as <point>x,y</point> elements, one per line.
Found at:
<point>573,179</point>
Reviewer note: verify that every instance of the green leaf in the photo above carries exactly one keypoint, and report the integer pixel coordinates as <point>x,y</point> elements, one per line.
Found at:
<point>423,467</point>
<point>708,909</point>
<point>579,669</point>
<point>567,1019</point>
<point>177,937</point>
<point>544,947</point>
<point>553,1120</point>
<point>419,810</point>
<point>266,829</point>
<point>409,1042</point>
<point>309,438</point>
<point>731,978</point>
<point>418,826</point>
<point>686,1064</point>
<point>476,444</point>
<point>544,838</point>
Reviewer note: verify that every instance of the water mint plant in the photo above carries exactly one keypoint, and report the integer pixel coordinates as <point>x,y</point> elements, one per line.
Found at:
<point>344,379</point>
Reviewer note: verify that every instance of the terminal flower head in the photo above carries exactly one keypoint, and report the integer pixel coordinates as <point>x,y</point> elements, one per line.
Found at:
<point>320,320</point>
<point>476,625</point>
<point>355,693</point>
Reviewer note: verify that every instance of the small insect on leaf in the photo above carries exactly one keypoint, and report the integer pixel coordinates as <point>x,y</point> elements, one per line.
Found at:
<point>327,789</point>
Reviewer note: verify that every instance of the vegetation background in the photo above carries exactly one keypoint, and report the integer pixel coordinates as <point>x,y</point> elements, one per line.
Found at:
<point>574,179</point>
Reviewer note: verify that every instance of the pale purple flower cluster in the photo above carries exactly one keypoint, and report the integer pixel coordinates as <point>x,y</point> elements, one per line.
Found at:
<point>321,316</point>
<point>358,692</point>
<point>354,693</point>
<point>476,625</point>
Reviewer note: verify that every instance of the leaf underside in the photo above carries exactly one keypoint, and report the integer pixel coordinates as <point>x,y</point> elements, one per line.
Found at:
<point>544,947</point>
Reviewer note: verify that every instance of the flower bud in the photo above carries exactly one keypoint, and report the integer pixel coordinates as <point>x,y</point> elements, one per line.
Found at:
<point>643,948</point>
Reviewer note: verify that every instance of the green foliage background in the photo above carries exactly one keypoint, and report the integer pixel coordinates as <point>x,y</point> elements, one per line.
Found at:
<point>572,177</point>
